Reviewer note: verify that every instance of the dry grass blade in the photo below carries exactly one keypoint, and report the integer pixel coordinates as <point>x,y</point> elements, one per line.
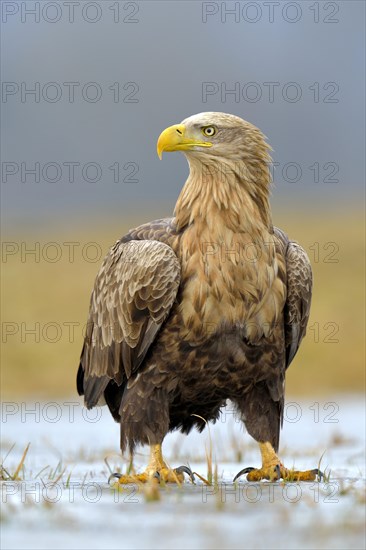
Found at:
<point>84,479</point>
<point>130,467</point>
<point>175,477</point>
<point>216,476</point>
<point>205,481</point>
<point>209,453</point>
<point>68,480</point>
<point>319,464</point>
<point>58,477</point>
<point>108,466</point>
<point>4,474</point>
<point>15,476</point>
<point>42,470</point>
<point>8,453</point>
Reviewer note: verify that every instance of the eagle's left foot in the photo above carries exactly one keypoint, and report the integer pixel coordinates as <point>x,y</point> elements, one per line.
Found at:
<point>272,469</point>
<point>273,473</point>
<point>156,470</point>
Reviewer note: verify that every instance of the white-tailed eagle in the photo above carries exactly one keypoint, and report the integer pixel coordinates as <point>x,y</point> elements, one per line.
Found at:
<point>209,305</point>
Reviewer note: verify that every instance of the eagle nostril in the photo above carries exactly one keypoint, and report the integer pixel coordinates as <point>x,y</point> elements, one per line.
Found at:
<point>179,132</point>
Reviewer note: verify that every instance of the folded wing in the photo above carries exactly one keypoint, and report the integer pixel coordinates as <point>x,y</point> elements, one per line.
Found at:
<point>132,297</point>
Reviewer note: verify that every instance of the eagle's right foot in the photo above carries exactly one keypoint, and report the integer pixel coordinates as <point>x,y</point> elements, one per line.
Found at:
<point>157,470</point>
<point>165,475</point>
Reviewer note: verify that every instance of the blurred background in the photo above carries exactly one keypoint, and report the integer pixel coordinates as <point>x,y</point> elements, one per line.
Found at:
<point>87,87</point>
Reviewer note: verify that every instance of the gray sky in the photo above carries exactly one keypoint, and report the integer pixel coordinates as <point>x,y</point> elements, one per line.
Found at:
<point>295,69</point>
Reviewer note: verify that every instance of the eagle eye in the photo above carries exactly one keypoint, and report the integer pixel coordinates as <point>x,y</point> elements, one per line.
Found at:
<point>209,131</point>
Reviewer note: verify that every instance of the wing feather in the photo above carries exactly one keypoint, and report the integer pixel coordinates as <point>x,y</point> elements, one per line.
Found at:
<point>299,292</point>
<point>132,297</point>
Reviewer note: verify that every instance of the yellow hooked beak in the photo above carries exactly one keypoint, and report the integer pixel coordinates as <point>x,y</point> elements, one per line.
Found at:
<point>175,138</point>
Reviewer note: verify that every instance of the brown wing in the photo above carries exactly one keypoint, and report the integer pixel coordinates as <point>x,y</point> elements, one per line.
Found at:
<point>299,290</point>
<point>133,294</point>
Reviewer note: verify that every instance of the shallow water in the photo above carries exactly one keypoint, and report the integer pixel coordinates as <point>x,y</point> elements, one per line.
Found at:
<point>64,500</point>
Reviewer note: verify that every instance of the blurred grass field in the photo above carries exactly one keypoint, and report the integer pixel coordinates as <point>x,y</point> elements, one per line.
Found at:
<point>51,298</point>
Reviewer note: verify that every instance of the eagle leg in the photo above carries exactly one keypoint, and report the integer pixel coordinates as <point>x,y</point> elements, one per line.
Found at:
<point>156,470</point>
<point>273,469</point>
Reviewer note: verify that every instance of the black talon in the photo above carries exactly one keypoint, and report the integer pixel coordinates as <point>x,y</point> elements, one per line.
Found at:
<point>114,475</point>
<point>318,472</point>
<point>243,471</point>
<point>157,476</point>
<point>185,470</point>
<point>278,471</point>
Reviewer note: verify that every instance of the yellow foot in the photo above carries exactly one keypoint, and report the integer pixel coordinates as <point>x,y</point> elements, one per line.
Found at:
<point>156,470</point>
<point>278,471</point>
<point>273,469</point>
<point>164,475</point>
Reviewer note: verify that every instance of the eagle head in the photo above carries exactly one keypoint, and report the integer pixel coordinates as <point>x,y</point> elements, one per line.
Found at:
<point>229,162</point>
<point>213,136</point>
